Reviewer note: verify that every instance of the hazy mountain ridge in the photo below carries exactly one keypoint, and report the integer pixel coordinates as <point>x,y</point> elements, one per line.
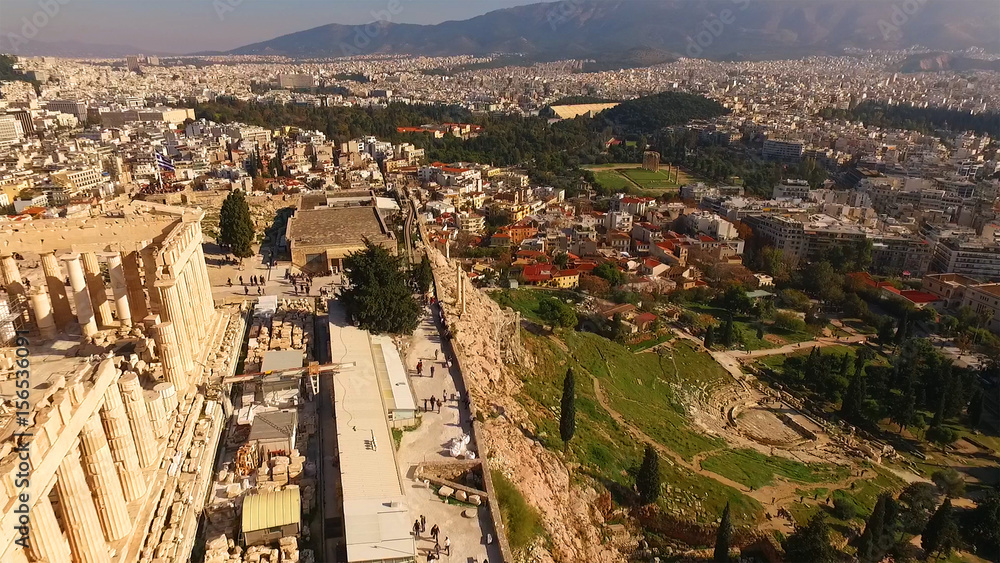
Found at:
<point>935,62</point>
<point>604,29</point>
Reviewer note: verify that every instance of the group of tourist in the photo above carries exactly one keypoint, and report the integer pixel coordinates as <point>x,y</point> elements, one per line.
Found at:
<point>420,526</point>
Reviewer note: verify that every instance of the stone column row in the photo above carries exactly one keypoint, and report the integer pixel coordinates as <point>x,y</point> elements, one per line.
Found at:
<point>174,312</point>
<point>170,355</point>
<point>123,450</point>
<point>138,419</point>
<point>104,482</point>
<point>79,514</point>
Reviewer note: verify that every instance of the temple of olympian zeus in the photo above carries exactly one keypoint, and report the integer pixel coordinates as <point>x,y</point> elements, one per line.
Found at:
<point>107,367</point>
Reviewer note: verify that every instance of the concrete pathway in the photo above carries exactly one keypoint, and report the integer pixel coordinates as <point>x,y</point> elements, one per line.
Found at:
<point>429,443</point>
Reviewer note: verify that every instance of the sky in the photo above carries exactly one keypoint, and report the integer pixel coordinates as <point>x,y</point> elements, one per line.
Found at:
<point>186,26</point>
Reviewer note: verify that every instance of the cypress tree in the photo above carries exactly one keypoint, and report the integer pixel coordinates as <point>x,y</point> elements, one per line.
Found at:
<point>648,479</point>
<point>567,415</point>
<point>852,409</point>
<point>710,337</point>
<point>723,537</point>
<point>728,332</point>
<point>760,331</point>
<point>871,538</point>
<point>975,409</point>
<point>941,533</point>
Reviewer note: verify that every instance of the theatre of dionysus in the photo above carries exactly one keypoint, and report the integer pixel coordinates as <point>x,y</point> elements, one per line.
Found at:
<point>121,422</point>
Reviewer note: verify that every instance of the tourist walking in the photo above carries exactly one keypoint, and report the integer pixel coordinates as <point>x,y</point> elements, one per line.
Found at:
<point>416,528</point>
<point>423,523</point>
<point>435,531</point>
<point>447,546</point>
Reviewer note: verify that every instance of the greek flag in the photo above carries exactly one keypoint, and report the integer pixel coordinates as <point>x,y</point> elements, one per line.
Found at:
<point>163,162</point>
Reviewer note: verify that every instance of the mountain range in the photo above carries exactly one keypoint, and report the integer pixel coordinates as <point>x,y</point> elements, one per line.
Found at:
<point>656,29</point>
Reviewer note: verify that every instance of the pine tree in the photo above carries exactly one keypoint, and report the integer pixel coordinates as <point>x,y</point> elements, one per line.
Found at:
<point>709,337</point>
<point>423,275</point>
<point>941,534</point>
<point>845,364</point>
<point>648,479</point>
<point>723,538</point>
<point>378,297</point>
<point>567,415</point>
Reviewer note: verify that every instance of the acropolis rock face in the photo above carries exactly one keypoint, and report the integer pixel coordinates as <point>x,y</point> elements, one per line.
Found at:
<point>567,510</point>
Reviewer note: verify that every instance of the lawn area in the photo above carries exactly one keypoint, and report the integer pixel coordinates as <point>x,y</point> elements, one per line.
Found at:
<point>747,328</point>
<point>624,176</point>
<point>756,470</point>
<point>646,344</point>
<point>649,180</point>
<point>606,452</point>
<point>613,181</point>
<point>637,386</point>
<point>526,300</point>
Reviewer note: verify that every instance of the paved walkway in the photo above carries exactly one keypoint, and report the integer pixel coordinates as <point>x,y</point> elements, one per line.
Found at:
<point>430,443</point>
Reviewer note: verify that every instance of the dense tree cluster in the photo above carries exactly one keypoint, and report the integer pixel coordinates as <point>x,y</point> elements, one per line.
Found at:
<point>648,114</point>
<point>905,116</point>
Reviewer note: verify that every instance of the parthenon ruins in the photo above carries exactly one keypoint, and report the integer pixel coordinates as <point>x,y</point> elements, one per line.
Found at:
<point>109,368</point>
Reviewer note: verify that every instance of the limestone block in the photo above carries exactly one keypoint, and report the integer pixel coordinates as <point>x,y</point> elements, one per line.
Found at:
<point>446,491</point>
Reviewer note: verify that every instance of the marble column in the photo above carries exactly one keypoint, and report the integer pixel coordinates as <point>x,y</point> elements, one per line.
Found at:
<point>148,256</point>
<point>81,295</point>
<point>171,302</point>
<point>42,308</point>
<point>47,542</point>
<point>206,283</point>
<point>169,352</point>
<point>100,468</point>
<point>14,285</point>
<point>98,291</point>
<point>197,288</point>
<point>138,419</point>
<point>189,297</point>
<point>11,275</point>
<point>79,515</point>
<point>133,279</point>
<point>157,413</point>
<point>120,289</point>
<point>122,445</point>
<point>56,283</point>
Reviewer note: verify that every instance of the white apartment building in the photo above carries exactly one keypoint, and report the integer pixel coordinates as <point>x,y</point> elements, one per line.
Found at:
<point>10,130</point>
<point>792,189</point>
<point>618,221</point>
<point>783,150</point>
<point>972,258</point>
<point>80,180</point>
